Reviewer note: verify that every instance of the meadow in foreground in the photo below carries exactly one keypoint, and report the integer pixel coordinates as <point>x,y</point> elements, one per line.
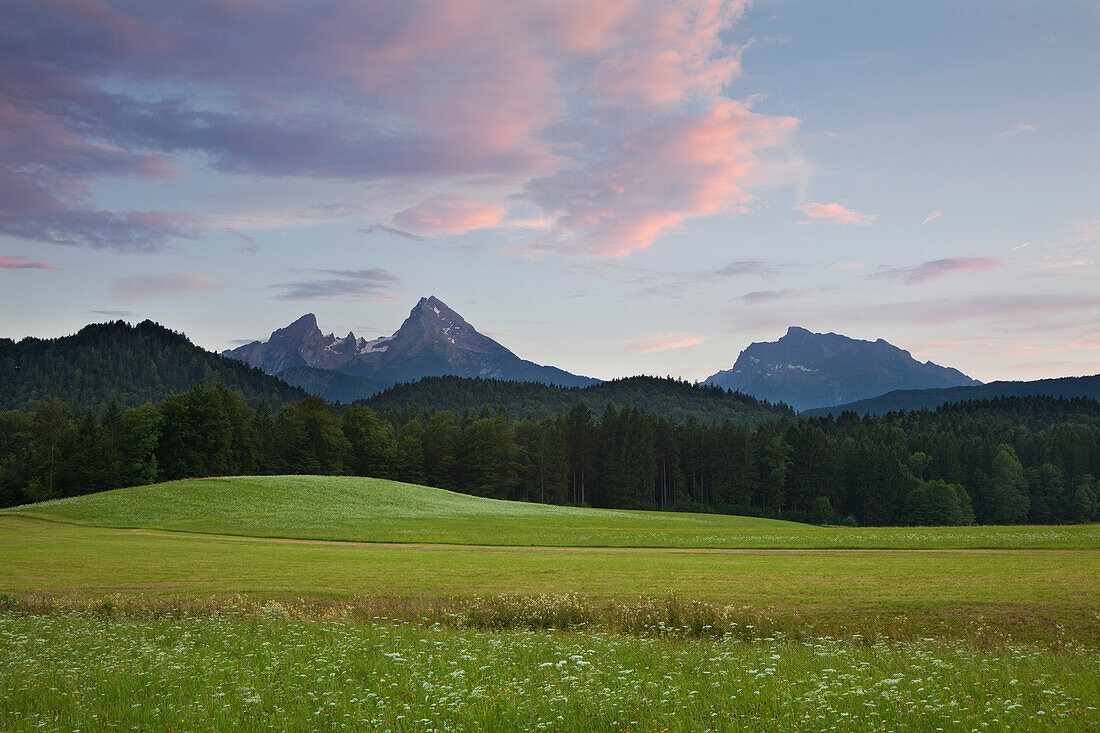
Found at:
<point>376,510</point>
<point>266,670</point>
<point>1041,596</point>
<point>126,611</point>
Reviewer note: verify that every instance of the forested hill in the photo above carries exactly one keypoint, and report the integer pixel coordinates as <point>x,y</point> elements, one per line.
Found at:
<point>930,399</point>
<point>670,398</point>
<point>135,364</point>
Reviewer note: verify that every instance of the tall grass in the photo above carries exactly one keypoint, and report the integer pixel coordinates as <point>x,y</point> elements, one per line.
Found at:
<point>268,669</point>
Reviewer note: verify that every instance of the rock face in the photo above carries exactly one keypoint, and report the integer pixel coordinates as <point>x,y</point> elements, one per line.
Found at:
<point>433,341</point>
<point>808,370</point>
<point>301,344</point>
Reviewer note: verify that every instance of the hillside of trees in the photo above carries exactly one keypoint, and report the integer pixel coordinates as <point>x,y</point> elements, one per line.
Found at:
<point>130,364</point>
<point>675,399</point>
<point>1004,461</point>
<point>930,399</point>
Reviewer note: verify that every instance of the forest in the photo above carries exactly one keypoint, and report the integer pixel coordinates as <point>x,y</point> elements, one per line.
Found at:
<point>677,399</point>
<point>129,364</point>
<point>1003,461</point>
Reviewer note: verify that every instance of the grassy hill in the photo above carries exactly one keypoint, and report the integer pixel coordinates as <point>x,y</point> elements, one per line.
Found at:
<point>930,399</point>
<point>671,398</point>
<point>135,364</point>
<point>375,510</point>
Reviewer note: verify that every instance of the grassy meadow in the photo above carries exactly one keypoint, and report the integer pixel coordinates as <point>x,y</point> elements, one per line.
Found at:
<point>1022,595</point>
<point>316,603</point>
<point>374,510</point>
<point>267,671</point>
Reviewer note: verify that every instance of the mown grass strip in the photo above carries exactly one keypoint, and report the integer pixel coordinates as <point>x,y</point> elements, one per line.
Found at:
<point>348,508</point>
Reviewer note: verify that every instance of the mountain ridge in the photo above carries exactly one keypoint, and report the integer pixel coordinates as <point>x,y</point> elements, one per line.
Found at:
<point>807,370</point>
<point>432,341</point>
<point>930,399</point>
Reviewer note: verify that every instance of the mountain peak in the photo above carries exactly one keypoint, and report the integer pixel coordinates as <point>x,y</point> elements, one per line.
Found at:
<point>304,327</point>
<point>808,370</point>
<point>433,314</point>
<point>432,304</point>
<point>309,320</point>
<point>432,341</point>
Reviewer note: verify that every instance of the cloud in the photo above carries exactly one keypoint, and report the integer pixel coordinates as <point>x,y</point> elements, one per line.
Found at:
<point>932,217</point>
<point>744,267</point>
<point>938,268</point>
<point>353,285</point>
<point>675,284</point>
<point>18,262</point>
<point>159,287</point>
<point>392,230</point>
<point>1012,312</point>
<point>448,215</point>
<point>114,314</point>
<point>1019,246</point>
<point>663,342</point>
<point>768,296</point>
<point>610,117</point>
<point>1073,264</point>
<point>45,173</point>
<point>622,198</point>
<point>836,214</point>
<point>1018,129</point>
<point>949,310</point>
<point>853,266</point>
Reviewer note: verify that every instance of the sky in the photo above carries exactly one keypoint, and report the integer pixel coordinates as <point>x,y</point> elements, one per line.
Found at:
<point>615,188</point>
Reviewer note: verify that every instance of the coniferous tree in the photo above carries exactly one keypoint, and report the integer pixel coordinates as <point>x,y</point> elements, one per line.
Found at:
<point>51,428</point>
<point>1006,490</point>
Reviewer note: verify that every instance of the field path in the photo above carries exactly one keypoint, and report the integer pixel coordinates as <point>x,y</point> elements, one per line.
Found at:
<point>584,548</point>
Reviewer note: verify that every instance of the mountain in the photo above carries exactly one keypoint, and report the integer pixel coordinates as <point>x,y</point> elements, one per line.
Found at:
<point>135,364</point>
<point>807,370</point>
<point>330,384</point>
<point>930,399</point>
<point>433,341</point>
<point>301,344</point>
<point>670,398</point>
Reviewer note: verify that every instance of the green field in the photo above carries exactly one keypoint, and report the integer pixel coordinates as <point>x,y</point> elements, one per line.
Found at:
<point>373,510</point>
<point>301,603</point>
<point>267,672</point>
<point>1022,595</point>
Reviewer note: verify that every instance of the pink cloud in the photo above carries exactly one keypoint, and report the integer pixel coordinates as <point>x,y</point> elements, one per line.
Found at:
<point>1017,130</point>
<point>668,53</point>
<point>770,296</point>
<point>156,287</point>
<point>663,342</point>
<point>836,214</point>
<point>938,268</point>
<point>448,215</point>
<point>659,176</point>
<point>609,116</point>
<point>17,262</point>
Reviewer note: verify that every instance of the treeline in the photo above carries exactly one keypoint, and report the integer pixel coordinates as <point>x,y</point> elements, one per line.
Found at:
<point>1002,461</point>
<point>676,399</point>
